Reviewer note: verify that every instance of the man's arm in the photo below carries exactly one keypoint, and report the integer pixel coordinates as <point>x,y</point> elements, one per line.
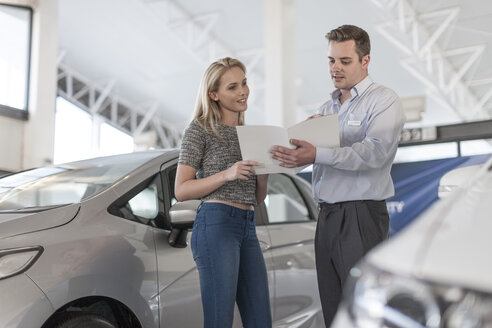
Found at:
<point>373,151</point>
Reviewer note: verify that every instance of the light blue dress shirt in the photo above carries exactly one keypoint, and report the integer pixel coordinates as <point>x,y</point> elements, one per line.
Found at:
<point>370,123</point>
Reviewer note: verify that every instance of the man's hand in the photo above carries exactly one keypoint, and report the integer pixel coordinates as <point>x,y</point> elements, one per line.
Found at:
<point>305,153</point>
<point>314,116</point>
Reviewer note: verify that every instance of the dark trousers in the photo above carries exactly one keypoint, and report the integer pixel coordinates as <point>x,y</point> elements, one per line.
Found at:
<point>346,231</point>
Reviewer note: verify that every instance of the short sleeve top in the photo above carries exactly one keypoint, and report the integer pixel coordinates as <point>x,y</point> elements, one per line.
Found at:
<point>209,155</point>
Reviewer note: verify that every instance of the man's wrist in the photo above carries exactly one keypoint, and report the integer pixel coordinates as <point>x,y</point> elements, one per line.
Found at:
<point>323,155</point>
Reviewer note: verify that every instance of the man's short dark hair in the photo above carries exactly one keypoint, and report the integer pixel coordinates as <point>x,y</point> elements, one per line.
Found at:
<point>352,32</point>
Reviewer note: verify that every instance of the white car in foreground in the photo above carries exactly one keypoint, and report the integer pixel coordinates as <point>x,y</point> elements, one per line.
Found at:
<point>435,273</point>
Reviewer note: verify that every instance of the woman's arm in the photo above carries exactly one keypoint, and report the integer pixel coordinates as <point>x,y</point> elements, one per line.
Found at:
<point>187,187</point>
<point>261,187</point>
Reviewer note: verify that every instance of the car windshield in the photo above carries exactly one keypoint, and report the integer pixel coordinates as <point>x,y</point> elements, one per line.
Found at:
<point>65,184</point>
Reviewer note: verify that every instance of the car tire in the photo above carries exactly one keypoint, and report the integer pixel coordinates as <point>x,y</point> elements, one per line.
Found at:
<point>82,320</point>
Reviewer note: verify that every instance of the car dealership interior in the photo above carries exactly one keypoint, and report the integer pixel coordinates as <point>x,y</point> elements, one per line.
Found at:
<point>95,97</point>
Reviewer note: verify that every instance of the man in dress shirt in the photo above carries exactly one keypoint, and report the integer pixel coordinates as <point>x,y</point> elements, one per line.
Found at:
<point>351,182</point>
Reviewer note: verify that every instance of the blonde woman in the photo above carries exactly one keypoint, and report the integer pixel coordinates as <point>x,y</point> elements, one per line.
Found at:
<point>224,242</point>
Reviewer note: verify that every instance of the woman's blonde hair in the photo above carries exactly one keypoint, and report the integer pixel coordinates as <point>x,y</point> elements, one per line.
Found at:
<point>207,111</point>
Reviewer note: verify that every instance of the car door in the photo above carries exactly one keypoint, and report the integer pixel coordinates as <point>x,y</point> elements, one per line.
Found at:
<point>141,206</point>
<point>291,222</point>
<point>179,288</point>
<point>178,283</point>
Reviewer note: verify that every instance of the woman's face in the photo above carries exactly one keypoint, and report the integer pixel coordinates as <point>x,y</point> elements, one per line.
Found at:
<point>232,94</point>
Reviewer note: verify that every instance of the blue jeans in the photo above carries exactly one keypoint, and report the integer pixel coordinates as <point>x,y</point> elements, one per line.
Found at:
<point>231,267</point>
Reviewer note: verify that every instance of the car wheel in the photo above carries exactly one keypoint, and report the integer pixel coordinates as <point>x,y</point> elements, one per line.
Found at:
<point>82,320</point>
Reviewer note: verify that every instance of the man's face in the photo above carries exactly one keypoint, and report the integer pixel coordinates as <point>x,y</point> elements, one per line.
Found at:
<point>346,70</point>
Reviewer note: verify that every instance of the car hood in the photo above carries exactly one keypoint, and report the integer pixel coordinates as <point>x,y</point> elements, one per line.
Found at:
<point>17,223</point>
<point>450,243</point>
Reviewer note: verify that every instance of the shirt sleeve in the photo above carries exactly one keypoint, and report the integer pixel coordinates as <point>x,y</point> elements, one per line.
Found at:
<point>379,144</point>
<point>192,146</point>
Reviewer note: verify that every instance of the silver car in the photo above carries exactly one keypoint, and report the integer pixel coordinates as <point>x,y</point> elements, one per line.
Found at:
<point>103,243</point>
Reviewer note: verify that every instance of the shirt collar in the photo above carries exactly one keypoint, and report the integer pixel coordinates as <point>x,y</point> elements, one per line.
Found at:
<point>356,90</point>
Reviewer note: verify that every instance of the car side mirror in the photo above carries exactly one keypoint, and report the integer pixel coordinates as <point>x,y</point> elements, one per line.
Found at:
<point>182,216</point>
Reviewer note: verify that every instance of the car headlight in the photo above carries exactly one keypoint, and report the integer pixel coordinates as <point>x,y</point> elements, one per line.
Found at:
<point>18,260</point>
<point>377,298</point>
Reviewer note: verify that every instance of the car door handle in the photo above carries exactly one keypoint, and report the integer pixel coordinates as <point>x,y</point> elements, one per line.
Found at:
<point>264,245</point>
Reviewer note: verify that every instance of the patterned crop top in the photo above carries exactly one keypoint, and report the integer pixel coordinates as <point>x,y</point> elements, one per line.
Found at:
<point>209,154</point>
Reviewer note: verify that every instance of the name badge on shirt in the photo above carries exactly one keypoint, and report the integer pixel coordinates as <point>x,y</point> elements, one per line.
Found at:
<point>353,123</point>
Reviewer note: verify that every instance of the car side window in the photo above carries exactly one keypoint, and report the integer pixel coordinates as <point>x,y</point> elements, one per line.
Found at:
<point>141,205</point>
<point>284,203</point>
<point>145,204</point>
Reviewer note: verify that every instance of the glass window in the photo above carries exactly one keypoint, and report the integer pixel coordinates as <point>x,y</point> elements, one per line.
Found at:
<point>75,138</point>
<point>426,152</point>
<point>283,202</point>
<point>73,133</point>
<point>145,204</point>
<point>143,207</point>
<point>15,38</point>
<point>476,147</point>
<point>113,141</point>
<point>65,184</point>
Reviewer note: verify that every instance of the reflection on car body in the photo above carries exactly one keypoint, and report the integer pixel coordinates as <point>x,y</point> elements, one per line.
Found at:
<point>105,240</point>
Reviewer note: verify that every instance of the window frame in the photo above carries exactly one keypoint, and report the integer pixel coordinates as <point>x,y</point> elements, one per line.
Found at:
<point>167,183</point>
<point>265,220</point>
<point>21,113</point>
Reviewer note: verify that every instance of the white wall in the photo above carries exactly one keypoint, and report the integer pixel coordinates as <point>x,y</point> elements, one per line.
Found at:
<point>26,144</point>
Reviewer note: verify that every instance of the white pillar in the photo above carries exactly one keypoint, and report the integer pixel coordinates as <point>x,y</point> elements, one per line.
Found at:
<point>280,63</point>
<point>40,128</point>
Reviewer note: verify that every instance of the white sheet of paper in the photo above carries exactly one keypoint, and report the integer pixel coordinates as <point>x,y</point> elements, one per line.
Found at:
<point>320,131</point>
<point>256,141</point>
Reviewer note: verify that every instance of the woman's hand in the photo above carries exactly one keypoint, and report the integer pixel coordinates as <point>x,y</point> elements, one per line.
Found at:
<point>241,170</point>
<point>186,185</point>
